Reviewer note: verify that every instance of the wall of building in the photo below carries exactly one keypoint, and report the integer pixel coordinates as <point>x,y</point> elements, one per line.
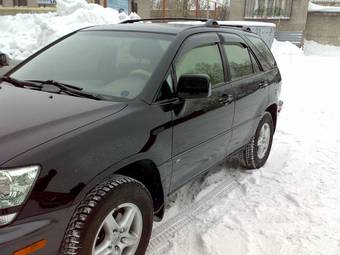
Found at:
<point>297,22</point>
<point>323,27</point>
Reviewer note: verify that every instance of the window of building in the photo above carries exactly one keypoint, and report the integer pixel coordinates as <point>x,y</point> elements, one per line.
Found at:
<point>202,60</point>
<point>268,9</point>
<point>20,2</point>
<point>239,61</point>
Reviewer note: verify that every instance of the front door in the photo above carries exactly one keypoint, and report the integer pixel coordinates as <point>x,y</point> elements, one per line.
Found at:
<point>202,127</point>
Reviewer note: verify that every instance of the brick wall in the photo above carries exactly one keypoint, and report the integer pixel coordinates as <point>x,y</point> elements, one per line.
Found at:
<point>323,27</point>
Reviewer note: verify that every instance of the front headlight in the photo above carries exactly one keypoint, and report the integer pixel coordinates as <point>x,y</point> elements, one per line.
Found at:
<point>16,184</point>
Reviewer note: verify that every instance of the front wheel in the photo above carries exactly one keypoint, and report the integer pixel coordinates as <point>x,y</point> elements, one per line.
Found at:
<point>257,151</point>
<point>115,218</point>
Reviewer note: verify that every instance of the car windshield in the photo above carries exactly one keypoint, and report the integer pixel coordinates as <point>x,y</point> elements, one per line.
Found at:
<point>114,64</point>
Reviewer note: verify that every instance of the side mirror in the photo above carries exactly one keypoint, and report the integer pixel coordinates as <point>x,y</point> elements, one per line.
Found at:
<point>194,86</point>
<point>3,60</point>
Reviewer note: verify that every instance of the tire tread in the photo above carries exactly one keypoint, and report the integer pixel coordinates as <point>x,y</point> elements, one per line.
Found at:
<point>71,241</point>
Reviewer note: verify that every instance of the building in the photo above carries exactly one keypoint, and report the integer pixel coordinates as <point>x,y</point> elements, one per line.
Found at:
<point>293,19</point>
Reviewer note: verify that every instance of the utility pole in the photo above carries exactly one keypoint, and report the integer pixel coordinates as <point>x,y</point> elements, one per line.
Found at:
<point>197,8</point>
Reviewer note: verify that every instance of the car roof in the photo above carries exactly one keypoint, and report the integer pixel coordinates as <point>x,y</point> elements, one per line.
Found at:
<point>173,28</point>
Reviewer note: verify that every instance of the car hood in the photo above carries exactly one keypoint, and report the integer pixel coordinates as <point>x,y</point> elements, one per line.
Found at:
<point>29,118</point>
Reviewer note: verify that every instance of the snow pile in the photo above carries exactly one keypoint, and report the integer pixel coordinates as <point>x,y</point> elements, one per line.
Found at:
<point>317,49</point>
<point>292,205</point>
<point>23,34</point>
<point>285,49</point>
<point>320,8</point>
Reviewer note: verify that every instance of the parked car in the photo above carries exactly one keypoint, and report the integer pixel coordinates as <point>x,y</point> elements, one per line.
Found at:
<point>94,139</point>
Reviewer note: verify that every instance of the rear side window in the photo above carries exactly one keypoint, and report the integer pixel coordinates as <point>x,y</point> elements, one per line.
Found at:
<point>239,61</point>
<point>202,60</point>
<point>264,51</point>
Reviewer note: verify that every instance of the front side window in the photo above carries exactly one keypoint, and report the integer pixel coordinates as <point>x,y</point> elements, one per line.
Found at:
<point>268,9</point>
<point>167,89</point>
<point>239,61</point>
<point>202,60</point>
<point>116,64</point>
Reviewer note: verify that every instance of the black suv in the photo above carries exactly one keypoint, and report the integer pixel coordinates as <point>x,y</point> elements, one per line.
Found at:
<point>98,128</point>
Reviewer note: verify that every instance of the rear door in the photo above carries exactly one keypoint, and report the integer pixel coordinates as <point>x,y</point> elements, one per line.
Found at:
<point>250,87</point>
<point>202,127</point>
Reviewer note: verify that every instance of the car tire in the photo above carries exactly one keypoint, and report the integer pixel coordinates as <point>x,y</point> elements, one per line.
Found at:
<point>256,152</point>
<point>91,228</point>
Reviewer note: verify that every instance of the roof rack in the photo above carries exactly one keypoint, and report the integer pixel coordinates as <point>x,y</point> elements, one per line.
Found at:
<point>162,19</point>
<point>208,22</point>
<point>244,28</point>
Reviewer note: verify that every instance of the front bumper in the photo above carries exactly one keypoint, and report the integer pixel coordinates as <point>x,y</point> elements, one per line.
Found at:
<point>25,232</point>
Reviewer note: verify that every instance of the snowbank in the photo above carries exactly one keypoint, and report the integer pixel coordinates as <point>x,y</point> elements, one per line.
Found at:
<point>23,34</point>
<point>285,49</point>
<point>320,8</point>
<point>313,48</point>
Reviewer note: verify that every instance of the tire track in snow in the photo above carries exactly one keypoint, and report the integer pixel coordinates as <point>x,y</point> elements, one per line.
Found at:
<point>162,233</point>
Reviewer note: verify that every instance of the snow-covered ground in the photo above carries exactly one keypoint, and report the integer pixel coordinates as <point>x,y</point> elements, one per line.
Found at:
<point>289,207</point>
<point>292,205</point>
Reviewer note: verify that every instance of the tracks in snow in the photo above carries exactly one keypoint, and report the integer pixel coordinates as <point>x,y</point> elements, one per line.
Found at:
<point>162,233</point>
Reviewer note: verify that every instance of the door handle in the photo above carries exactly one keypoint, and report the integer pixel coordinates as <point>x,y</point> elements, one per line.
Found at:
<point>263,84</point>
<point>226,99</point>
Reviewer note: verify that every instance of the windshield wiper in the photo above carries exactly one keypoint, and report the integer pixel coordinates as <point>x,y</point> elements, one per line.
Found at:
<point>57,87</point>
<point>19,83</point>
<point>57,84</point>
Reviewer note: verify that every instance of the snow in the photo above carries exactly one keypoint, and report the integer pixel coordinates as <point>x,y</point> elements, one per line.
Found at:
<point>313,48</point>
<point>23,34</point>
<point>292,205</point>
<point>320,8</point>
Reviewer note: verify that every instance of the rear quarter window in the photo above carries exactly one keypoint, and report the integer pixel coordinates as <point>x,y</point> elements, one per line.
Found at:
<point>267,59</point>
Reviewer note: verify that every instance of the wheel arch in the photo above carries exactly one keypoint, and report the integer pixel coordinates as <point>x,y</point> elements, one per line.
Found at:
<point>146,172</point>
<point>272,109</point>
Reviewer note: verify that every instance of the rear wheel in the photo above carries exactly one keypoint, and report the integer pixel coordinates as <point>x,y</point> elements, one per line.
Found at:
<point>115,218</point>
<point>257,151</point>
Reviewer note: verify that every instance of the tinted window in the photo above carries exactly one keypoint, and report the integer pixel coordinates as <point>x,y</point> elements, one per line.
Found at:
<point>255,64</point>
<point>202,60</point>
<point>110,63</point>
<point>239,60</point>
<point>264,51</point>
<point>166,91</point>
